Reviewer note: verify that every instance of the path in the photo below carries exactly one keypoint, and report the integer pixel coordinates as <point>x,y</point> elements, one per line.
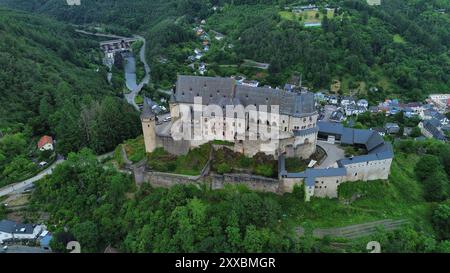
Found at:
<point>130,97</point>
<point>136,88</point>
<point>20,186</point>
<point>100,34</point>
<point>23,185</point>
<point>333,154</point>
<point>356,231</point>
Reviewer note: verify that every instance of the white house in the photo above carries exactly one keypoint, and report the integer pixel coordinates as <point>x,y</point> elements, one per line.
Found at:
<point>10,230</point>
<point>347,101</point>
<point>45,143</point>
<point>363,103</point>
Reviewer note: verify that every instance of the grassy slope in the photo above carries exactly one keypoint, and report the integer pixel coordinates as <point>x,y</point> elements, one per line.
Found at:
<point>398,199</point>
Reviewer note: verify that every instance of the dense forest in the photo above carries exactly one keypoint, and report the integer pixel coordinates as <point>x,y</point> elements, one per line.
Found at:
<point>52,82</point>
<point>400,47</point>
<point>99,206</point>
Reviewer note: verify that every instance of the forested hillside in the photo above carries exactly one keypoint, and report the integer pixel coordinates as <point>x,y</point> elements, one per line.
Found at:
<point>52,82</point>
<point>400,47</point>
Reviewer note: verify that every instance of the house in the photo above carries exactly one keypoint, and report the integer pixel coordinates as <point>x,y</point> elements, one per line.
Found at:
<point>45,239</point>
<point>337,116</point>
<point>45,143</point>
<point>10,230</point>
<point>407,131</point>
<point>440,117</point>
<point>319,96</point>
<point>347,101</point>
<point>333,100</point>
<point>251,83</point>
<point>392,128</point>
<point>202,68</point>
<point>429,130</point>
<point>374,109</point>
<point>363,103</point>
<point>289,87</point>
<point>353,109</point>
<point>381,131</point>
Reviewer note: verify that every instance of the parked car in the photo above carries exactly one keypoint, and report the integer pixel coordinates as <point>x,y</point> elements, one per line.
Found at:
<point>43,163</point>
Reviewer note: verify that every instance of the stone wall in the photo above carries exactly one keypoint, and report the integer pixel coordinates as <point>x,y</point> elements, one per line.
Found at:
<point>253,182</point>
<point>215,181</point>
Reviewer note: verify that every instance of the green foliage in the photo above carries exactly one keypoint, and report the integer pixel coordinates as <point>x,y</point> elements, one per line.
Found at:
<point>441,221</point>
<point>223,168</point>
<point>81,190</point>
<point>190,164</point>
<point>225,160</point>
<point>295,164</point>
<point>430,172</point>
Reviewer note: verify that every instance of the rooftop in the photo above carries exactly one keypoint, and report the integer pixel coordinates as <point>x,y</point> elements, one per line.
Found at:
<point>216,90</point>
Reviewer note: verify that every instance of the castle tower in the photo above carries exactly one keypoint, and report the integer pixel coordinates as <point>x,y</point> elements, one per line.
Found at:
<point>148,120</point>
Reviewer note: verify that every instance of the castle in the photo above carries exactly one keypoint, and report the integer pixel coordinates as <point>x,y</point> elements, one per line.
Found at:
<point>293,128</point>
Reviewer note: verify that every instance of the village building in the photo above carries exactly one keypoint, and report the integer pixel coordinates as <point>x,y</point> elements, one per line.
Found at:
<point>45,144</point>
<point>10,230</point>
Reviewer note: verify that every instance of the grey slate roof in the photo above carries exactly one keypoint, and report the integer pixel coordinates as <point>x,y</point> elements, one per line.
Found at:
<point>310,175</point>
<point>369,138</point>
<point>7,226</point>
<point>216,90</point>
<point>12,227</point>
<point>330,127</point>
<point>147,111</point>
<point>306,131</point>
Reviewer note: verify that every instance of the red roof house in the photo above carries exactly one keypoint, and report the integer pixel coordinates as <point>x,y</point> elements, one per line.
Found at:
<point>45,143</point>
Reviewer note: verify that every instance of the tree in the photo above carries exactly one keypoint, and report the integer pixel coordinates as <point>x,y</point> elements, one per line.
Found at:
<point>86,233</point>
<point>441,221</point>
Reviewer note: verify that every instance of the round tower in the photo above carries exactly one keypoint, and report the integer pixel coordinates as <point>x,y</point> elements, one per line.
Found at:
<point>148,120</point>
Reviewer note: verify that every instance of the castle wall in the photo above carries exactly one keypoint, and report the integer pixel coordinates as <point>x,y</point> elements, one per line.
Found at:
<point>253,182</point>
<point>371,170</point>
<point>327,186</point>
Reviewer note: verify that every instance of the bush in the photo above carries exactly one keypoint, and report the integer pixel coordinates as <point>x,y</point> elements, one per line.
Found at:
<point>264,170</point>
<point>223,168</point>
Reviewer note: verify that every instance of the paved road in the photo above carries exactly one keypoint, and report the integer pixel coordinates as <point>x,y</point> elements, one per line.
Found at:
<point>20,186</point>
<point>130,97</point>
<point>24,249</point>
<point>135,89</point>
<point>100,34</point>
<point>23,185</point>
<point>334,153</point>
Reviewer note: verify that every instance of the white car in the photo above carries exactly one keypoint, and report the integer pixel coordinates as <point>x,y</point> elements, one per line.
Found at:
<point>168,119</point>
<point>42,164</point>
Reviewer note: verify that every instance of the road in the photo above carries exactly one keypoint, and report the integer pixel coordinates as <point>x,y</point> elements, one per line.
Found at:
<point>334,153</point>
<point>19,187</point>
<point>130,97</point>
<point>100,34</point>
<point>135,89</point>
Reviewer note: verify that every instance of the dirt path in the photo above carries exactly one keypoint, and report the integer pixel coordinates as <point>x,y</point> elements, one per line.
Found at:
<point>356,231</point>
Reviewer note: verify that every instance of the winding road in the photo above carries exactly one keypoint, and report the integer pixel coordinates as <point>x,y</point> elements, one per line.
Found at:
<point>130,75</point>
<point>23,185</point>
<point>130,97</point>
